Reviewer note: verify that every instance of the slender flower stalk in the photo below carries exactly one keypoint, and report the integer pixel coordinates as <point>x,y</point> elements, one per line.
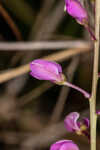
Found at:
<point>93,115</point>
<point>86,94</point>
<point>91,33</point>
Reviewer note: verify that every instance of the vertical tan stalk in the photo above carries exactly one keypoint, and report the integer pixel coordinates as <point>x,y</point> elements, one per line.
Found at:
<point>93,116</point>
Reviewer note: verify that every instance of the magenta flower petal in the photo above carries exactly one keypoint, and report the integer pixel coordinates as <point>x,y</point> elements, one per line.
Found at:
<point>73,125</point>
<point>71,122</point>
<point>46,70</point>
<point>69,146</point>
<point>76,10</point>
<point>58,144</point>
<point>64,145</point>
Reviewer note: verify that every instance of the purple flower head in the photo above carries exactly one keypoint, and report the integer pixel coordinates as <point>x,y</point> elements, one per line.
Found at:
<point>76,10</point>
<point>64,145</point>
<point>46,70</point>
<point>73,125</point>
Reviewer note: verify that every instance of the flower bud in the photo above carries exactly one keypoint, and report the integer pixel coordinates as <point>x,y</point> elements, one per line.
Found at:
<point>47,70</point>
<point>76,10</point>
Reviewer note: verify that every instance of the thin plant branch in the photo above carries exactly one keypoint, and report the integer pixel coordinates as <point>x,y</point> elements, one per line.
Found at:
<point>11,23</point>
<point>58,56</point>
<point>93,116</point>
<point>43,45</point>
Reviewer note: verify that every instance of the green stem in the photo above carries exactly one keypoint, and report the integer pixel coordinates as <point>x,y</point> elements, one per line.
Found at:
<point>93,116</point>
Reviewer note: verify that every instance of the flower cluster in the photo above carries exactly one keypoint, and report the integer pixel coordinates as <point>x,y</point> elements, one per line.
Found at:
<point>72,125</point>
<point>48,70</point>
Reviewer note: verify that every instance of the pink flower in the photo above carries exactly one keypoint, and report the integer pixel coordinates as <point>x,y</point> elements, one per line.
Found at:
<point>49,70</point>
<point>46,70</point>
<point>64,145</point>
<point>76,10</point>
<point>73,125</point>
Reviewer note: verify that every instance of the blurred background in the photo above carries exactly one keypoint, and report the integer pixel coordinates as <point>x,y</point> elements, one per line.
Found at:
<point>32,111</point>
